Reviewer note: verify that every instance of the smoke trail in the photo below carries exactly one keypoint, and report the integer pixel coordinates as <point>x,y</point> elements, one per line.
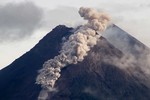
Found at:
<point>74,50</point>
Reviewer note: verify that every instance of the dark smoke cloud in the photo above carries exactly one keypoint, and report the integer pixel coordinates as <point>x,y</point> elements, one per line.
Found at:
<point>18,20</point>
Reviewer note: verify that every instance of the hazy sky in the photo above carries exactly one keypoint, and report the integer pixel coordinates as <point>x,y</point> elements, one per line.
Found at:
<point>24,22</point>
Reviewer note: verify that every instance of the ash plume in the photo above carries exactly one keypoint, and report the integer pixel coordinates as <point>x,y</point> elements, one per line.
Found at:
<point>73,50</point>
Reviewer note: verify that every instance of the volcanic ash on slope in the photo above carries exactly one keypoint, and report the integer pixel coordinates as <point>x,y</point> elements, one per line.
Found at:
<point>75,48</point>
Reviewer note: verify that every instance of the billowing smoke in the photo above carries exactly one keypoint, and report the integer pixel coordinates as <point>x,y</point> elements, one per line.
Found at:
<point>73,50</point>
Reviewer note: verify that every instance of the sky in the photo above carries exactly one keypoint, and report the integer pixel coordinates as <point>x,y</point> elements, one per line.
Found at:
<point>24,22</point>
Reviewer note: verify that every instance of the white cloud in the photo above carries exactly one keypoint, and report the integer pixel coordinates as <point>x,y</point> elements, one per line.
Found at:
<point>61,15</point>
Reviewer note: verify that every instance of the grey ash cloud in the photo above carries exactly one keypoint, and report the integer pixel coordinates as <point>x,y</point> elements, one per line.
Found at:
<point>19,20</point>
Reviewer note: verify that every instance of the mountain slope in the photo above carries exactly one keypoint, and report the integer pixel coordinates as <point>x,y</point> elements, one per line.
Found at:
<point>92,79</point>
<point>95,79</point>
<point>17,81</point>
<point>125,42</point>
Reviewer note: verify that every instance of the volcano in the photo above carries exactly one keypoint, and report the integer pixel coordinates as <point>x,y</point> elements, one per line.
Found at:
<point>97,77</point>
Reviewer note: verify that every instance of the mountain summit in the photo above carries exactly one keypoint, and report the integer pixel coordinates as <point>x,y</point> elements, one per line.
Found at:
<point>102,75</point>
